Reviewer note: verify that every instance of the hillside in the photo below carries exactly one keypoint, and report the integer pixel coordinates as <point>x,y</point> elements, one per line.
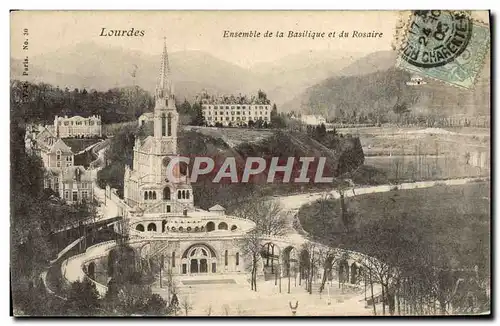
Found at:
<point>373,62</point>
<point>377,92</point>
<point>196,142</point>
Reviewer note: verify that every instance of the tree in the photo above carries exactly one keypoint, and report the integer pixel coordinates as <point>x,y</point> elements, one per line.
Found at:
<point>267,215</point>
<point>251,247</point>
<point>82,299</point>
<point>400,109</point>
<point>186,305</point>
<point>157,306</point>
<point>197,118</point>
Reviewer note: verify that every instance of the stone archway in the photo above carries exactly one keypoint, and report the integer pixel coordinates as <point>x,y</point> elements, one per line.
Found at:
<point>304,265</point>
<point>91,271</point>
<point>343,271</point>
<point>152,227</point>
<point>199,259</point>
<point>210,226</point>
<point>354,273</point>
<point>270,254</point>
<point>140,227</point>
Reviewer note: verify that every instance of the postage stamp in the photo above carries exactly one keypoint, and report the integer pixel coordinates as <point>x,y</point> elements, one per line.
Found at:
<point>444,45</point>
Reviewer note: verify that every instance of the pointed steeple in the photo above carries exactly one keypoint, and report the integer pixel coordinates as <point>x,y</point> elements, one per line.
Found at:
<point>165,67</point>
<point>164,87</point>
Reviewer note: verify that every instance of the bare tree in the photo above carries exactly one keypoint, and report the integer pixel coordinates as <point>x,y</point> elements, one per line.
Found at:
<point>186,305</point>
<point>251,247</point>
<point>267,215</point>
<point>328,258</point>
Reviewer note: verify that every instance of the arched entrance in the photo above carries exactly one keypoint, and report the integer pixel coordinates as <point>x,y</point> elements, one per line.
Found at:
<point>210,226</point>
<point>270,254</point>
<point>343,271</point>
<point>199,259</point>
<point>91,271</point>
<point>152,227</point>
<point>354,273</point>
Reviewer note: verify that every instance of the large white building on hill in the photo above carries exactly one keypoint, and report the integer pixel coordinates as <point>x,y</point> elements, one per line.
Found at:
<point>235,110</point>
<point>77,126</point>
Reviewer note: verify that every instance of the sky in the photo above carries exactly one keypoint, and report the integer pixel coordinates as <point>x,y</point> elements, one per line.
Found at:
<point>49,31</point>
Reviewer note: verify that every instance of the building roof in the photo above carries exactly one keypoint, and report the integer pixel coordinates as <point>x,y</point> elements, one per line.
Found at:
<point>147,115</point>
<point>60,145</point>
<point>216,208</point>
<point>77,117</point>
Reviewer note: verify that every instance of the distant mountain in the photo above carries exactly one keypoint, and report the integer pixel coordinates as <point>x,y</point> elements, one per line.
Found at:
<point>373,62</point>
<point>89,65</point>
<point>373,85</point>
<point>290,75</point>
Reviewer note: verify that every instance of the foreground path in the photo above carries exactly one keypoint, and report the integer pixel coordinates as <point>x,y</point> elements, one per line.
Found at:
<point>294,202</point>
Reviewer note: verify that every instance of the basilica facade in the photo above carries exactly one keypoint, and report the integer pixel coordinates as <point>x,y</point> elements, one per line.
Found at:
<point>163,222</point>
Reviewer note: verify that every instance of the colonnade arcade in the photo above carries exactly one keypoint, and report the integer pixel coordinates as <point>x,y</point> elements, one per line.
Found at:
<point>292,262</point>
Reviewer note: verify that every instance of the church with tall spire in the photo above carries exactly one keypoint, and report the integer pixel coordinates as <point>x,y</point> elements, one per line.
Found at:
<point>190,241</point>
<point>146,184</point>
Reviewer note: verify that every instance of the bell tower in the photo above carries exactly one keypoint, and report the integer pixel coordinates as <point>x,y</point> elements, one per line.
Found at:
<point>166,117</point>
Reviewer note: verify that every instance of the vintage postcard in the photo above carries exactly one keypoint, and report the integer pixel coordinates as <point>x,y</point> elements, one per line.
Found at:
<point>250,163</point>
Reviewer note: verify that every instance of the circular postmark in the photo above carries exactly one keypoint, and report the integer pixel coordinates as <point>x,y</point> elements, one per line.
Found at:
<point>435,37</point>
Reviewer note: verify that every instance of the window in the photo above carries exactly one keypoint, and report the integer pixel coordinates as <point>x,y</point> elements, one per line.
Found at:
<point>68,163</point>
<point>163,125</point>
<point>75,195</point>
<point>166,193</point>
<point>84,195</point>
<point>58,164</point>
<point>169,125</point>
<point>173,258</point>
<point>58,155</point>
<point>68,158</point>
<point>168,208</point>
<point>237,258</point>
<point>66,195</point>
<point>179,194</point>
<point>225,258</point>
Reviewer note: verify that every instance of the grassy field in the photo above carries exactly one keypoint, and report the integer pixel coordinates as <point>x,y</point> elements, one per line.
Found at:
<point>413,141</point>
<point>455,220</point>
<point>424,167</point>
